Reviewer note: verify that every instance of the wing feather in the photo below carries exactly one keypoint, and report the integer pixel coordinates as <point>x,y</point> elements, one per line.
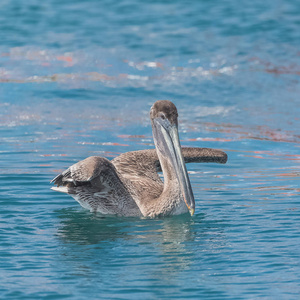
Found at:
<point>96,185</point>
<point>145,162</point>
<point>203,155</point>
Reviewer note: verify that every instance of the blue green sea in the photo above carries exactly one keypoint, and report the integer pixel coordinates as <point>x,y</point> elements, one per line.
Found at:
<point>78,78</point>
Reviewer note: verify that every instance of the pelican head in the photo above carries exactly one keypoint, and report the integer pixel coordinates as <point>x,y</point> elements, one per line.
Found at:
<point>164,119</point>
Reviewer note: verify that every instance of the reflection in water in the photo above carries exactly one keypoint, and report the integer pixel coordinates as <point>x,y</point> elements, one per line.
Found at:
<point>157,248</point>
<point>84,228</point>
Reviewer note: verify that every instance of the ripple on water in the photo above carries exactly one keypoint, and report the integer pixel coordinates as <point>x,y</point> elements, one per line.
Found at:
<point>85,89</point>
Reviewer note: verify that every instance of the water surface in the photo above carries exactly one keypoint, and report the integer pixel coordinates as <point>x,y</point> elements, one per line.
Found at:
<point>78,79</point>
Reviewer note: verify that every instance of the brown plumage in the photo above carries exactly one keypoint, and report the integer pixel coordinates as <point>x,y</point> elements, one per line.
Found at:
<point>129,185</point>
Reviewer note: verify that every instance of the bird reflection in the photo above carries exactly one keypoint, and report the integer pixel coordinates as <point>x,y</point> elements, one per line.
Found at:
<point>163,239</point>
<point>155,249</point>
<point>82,227</point>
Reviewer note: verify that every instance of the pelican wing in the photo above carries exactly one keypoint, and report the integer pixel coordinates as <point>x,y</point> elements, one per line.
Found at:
<point>139,163</point>
<point>96,185</point>
<point>203,155</point>
<point>146,163</point>
<point>82,172</point>
<point>140,169</point>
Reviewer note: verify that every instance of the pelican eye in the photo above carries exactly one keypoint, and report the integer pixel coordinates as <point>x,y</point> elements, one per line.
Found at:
<point>162,115</point>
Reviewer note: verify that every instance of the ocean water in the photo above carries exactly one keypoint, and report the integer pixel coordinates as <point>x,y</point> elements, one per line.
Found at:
<point>77,78</point>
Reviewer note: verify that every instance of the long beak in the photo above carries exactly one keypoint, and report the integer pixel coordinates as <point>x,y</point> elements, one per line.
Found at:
<point>167,141</point>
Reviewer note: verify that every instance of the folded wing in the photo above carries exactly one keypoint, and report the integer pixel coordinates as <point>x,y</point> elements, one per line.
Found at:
<point>96,185</point>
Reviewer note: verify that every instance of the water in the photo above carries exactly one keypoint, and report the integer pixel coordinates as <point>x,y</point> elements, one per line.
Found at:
<point>77,78</point>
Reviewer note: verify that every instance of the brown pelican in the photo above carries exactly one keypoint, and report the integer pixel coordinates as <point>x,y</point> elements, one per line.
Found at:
<point>130,185</point>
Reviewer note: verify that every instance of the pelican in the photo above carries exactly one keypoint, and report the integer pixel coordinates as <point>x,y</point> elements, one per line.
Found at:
<point>130,185</point>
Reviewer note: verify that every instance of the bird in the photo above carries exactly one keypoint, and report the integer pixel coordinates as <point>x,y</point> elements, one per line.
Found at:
<point>129,185</point>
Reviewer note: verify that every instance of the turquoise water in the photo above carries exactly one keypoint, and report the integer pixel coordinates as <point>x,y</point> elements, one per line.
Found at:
<point>77,78</point>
